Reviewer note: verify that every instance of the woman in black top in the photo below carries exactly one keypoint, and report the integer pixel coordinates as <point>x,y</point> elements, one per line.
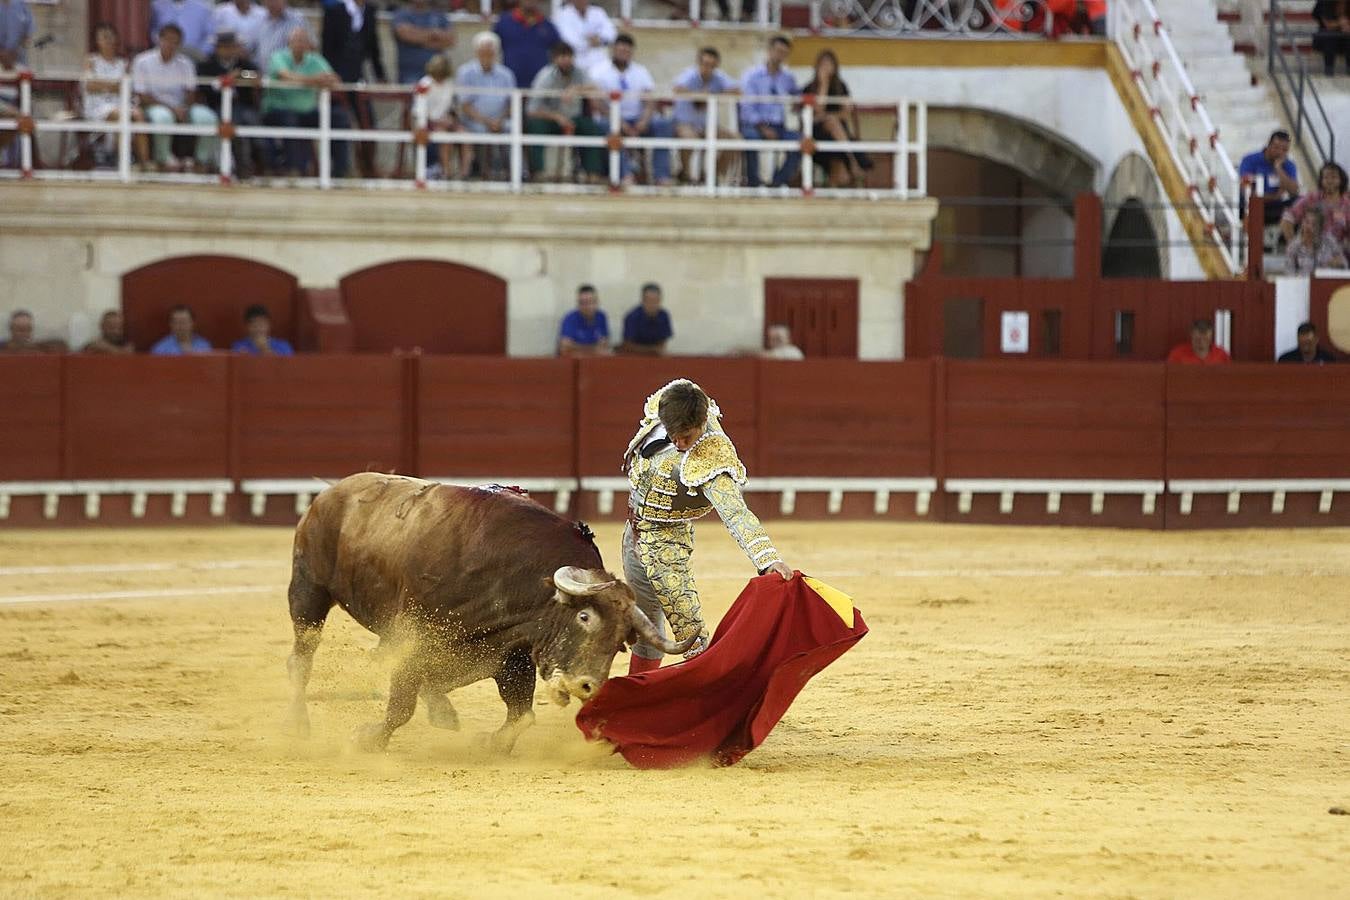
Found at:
<point>1333,32</point>
<point>833,118</point>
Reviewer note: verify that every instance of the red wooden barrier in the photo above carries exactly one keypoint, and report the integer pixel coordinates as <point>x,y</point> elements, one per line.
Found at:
<point>30,436</point>
<point>437,306</point>
<point>326,416</point>
<point>610,393</point>
<point>1262,422</point>
<point>496,417</point>
<point>844,418</point>
<point>1053,420</point>
<point>146,417</point>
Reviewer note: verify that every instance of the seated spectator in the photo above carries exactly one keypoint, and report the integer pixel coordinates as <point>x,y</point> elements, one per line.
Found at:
<point>1332,199</point>
<point>193,19</point>
<point>422,34</point>
<point>563,113</point>
<point>832,121</point>
<point>766,120</point>
<point>528,38</point>
<point>244,20</point>
<point>1274,173</point>
<point>20,338</point>
<point>779,339</point>
<point>1314,248</point>
<point>165,82</point>
<point>1200,350</point>
<point>483,113</point>
<point>103,73</point>
<point>691,116</point>
<point>112,336</point>
<point>274,33</point>
<point>1307,352</point>
<point>229,59</point>
<point>298,107</point>
<point>584,331</point>
<point>589,30</point>
<point>637,111</point>
<point>646,328</point>
<point>440,94</point>
<point>1333,33</point>
<point>260,341</point>
<point>182,338</point>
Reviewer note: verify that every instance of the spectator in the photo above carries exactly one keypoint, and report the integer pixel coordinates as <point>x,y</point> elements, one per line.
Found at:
<point>165,81</point>
<point>195,21</point>
<point>691,116</point>
<point>780,346</point>
<point>766,120</point>
<point>350,41</point>
<point>584,331</point>
<point>16,29</point>
<point>242,18</point>
<point>229,59</point>
<point>440,94</point>
<point>1307,352</point>
<point>1200,350</point>
<point>103,72</point>
<point>21,334</point>
<point>112,336</point>
<point>831,123</point>
<point>1315,248</point>
<point>260,341</point>
<point>527,38</point>
<point>563,113</point>
<point>589,30</point>
<point>274,33</point>
<point>182,338</point>
<point>298,107</point>
<point>1333,33</point>
<point>421,33</point>
<point>1332,199</point>
<point>1276,173</point>
<point>646,328</point>
<point>637,111</point>
<point>483,113</point>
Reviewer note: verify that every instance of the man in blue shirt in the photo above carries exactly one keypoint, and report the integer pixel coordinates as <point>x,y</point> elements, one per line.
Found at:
<point>260,341</point>
<point>647,327</point>
<point>691,116</point>
<point>16,28</point>
<point>182,338</point>
<point>421,33</point>
<point>193,17</point>
<point>1277,174</point>
<point>584,331</point>
<point>527,38</point>
<point>766,120</point>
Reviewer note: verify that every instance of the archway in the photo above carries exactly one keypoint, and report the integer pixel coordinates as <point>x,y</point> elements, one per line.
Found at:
<point>1131,247</point>
<point>1134,191</point>
<point>429,304</point>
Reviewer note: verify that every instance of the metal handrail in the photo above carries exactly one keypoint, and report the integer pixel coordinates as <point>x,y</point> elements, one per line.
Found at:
<point>1295,88</point>
<point>932,18</point>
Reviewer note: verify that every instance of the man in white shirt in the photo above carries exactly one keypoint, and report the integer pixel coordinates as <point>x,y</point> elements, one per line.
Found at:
<point>165,82</point>
<point>588,29</point>
<point>244,19</point>
<point>780,345</point>
<point>636,108</point>
<point>274,32</point>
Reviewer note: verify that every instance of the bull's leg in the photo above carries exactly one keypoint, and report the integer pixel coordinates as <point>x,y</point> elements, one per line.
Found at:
<point>404,684</point>
<point>309,608</point>
<point>515,683</point>
<point>440,712</point>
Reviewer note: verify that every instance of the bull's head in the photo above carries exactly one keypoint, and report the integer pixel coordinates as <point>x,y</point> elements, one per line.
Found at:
<point>594,615</point>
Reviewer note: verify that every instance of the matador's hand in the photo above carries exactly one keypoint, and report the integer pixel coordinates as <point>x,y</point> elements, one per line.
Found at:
<point>782,569</point>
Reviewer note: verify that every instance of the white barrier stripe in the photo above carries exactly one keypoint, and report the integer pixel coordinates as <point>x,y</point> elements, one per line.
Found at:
<point>186,592</point>
<point>95,568</point>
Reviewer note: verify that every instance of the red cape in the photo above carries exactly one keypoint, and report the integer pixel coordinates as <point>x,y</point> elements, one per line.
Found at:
<point>724,702</point>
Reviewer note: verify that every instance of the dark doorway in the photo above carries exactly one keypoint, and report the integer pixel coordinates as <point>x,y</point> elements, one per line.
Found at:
<point>963,328</point>
<point>1131,249</point>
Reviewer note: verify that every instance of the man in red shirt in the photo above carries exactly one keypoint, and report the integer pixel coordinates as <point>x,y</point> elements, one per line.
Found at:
<point>1201,349</point>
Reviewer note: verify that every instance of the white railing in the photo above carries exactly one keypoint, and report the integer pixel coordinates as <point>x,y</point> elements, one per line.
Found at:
<point>909,141</point>
<point>1178,110</point>
<point>933,18</point>
<point>768,14</point>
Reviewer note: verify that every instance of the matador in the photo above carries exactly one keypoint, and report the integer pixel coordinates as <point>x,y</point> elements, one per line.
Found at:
<point>681,465</point>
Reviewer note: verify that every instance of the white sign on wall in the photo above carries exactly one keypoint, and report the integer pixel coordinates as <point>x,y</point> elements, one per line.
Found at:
<point>1015,336</point>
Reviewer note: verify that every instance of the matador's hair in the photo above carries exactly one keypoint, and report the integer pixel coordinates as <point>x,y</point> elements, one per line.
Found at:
<point>683,407</point>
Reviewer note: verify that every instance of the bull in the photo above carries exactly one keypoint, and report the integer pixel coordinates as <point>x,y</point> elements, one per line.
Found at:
<point>461,584</point>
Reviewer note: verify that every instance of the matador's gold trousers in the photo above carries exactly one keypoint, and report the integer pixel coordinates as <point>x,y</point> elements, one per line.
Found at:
<point>656,566</point>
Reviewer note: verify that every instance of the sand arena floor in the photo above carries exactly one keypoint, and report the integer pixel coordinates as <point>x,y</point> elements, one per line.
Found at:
<point>1035,712</point>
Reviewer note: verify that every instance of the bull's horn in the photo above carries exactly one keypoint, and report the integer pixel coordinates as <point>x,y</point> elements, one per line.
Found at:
<point>568,581</point>
<point>652,635</point>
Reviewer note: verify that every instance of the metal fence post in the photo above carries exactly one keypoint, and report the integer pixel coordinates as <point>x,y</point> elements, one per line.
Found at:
<point>517,130</point>
<point>226,120</point>
<point>325,136</point>
<point>124,130</point>
<point>710,120</point>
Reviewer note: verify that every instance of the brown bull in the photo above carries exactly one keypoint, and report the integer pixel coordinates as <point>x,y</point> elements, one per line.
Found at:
<point>463,584</point>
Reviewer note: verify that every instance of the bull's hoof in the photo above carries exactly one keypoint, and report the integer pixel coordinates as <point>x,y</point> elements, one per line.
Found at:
<point>300,722</point>
<point>372,738</point>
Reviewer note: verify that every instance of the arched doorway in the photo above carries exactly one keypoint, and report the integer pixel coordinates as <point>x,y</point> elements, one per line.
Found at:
<point>1131,248</point>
